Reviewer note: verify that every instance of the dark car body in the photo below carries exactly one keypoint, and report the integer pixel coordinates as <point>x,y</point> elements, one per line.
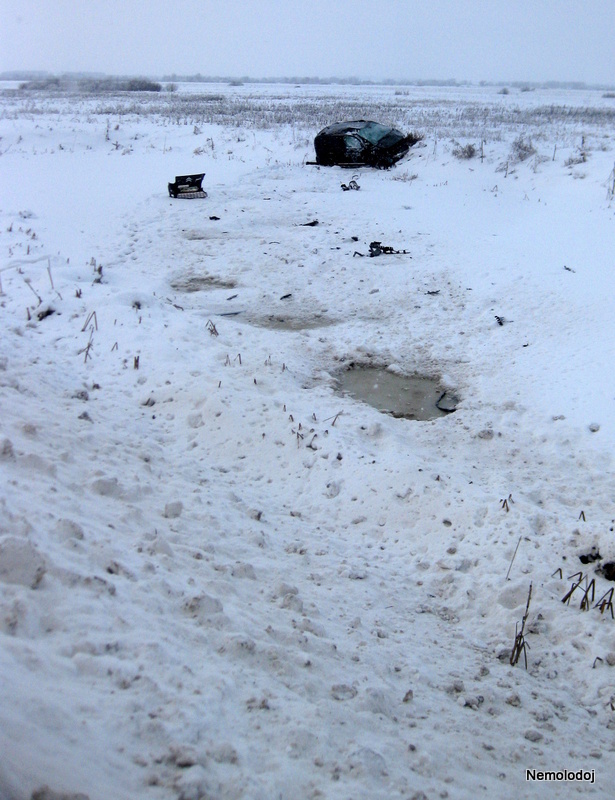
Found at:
<point>361,143</point>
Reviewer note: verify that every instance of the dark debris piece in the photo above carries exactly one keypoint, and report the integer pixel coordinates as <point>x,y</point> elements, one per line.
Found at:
<point>447,402</point>
<point>187,186</point>
<point>378,249</point>
<point>589,558</point>
<point>607,570</point>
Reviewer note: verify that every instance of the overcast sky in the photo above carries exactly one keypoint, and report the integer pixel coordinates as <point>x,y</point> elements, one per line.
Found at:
<point>492,40</point>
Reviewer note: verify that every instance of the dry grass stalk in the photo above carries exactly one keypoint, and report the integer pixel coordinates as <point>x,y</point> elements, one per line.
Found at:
<point>574,587</point>
<point>606,602</point>
<point>585,601</point>
<point>91,318</point>
<point>520,645</point>
<point>513,558</point>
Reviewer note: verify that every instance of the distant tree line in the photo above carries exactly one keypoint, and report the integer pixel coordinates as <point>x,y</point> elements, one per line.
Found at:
<point>307,80</point>
<point>91,85</point>
<point>94,82</point>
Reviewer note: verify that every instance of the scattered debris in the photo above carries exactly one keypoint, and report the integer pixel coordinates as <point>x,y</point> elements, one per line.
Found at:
<point>311,224</point>
<point>378,249</point>
<point>350,185</point>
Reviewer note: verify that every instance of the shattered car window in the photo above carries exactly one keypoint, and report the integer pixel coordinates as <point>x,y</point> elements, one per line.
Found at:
<point>374,132</point>
<point>353,143</point>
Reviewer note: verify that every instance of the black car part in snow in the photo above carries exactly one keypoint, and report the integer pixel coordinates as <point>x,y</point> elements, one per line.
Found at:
<point>187,186</point>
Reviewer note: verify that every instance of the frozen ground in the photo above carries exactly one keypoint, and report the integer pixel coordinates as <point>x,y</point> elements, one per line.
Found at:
<point>218,577</point>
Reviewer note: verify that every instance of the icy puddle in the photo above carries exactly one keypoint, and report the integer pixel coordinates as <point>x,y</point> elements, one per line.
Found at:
<point>407,396</point>
<point>279,322</point>
<point>192,282</point>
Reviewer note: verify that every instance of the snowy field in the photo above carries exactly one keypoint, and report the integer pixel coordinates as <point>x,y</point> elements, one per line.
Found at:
<point>220,578</point>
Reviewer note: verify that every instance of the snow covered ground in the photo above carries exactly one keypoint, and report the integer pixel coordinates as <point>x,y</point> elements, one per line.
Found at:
<point>219,578</point>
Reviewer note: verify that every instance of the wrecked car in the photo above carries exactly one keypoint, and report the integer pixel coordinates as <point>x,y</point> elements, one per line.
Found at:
<point>361,143</point>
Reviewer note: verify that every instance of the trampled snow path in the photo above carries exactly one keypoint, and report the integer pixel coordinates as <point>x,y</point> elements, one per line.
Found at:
<point>218,578</point>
